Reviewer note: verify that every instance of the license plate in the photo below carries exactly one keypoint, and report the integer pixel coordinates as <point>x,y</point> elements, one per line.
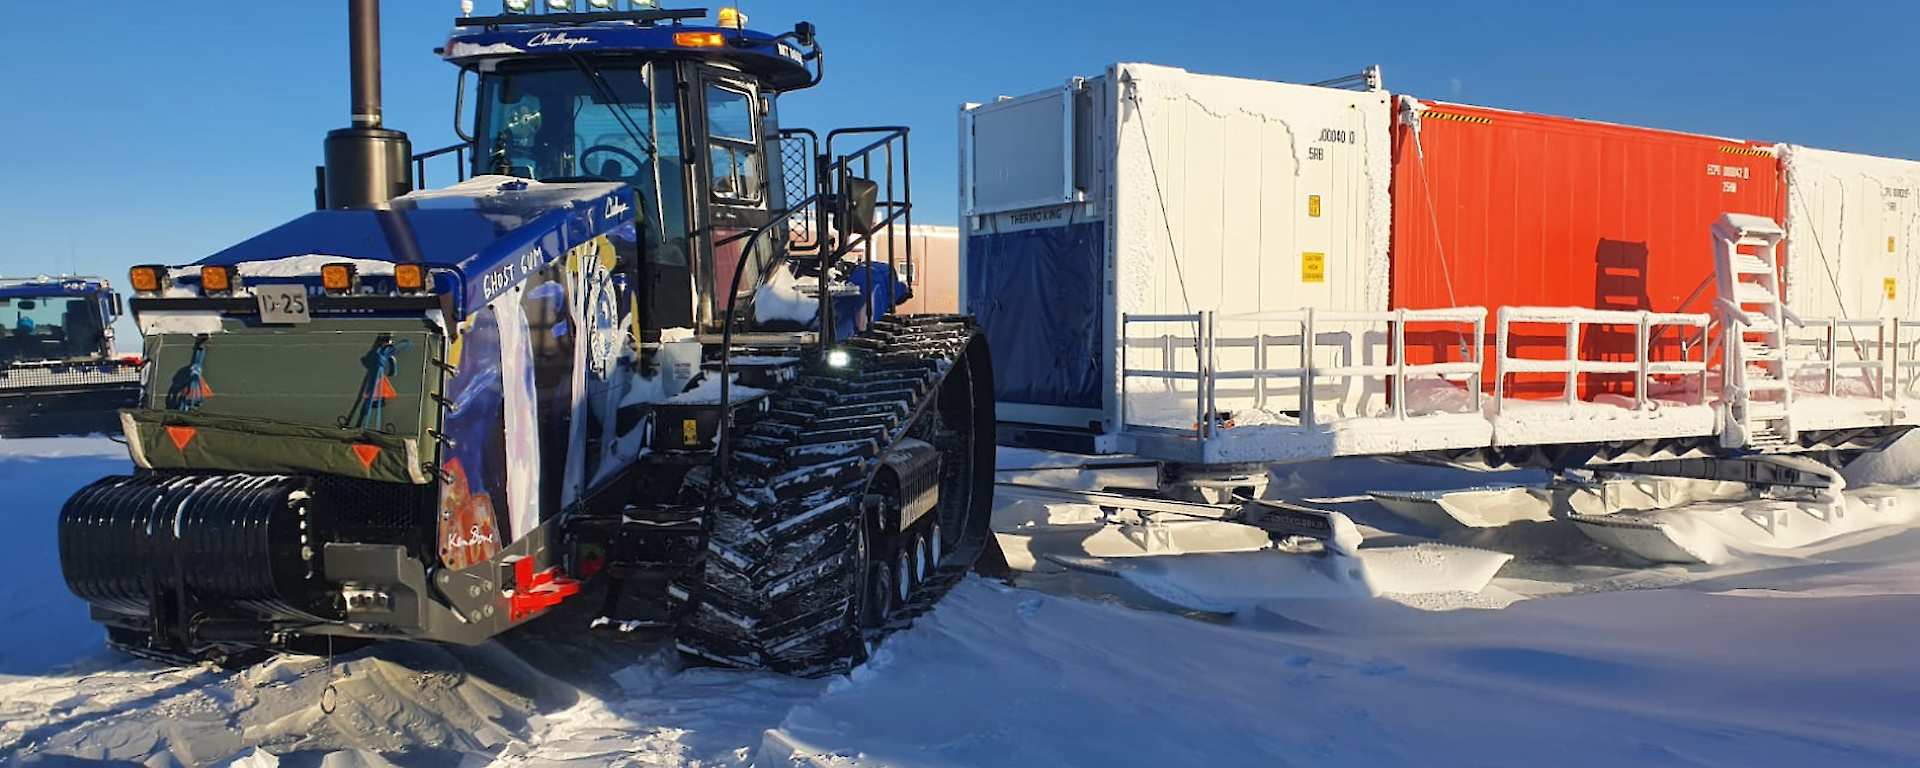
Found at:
<point>282,304</point>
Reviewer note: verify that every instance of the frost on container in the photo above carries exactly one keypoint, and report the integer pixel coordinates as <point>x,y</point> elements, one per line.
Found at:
<point>1497,208</point>
<point>1852,221</point>
<point>1154,191</point>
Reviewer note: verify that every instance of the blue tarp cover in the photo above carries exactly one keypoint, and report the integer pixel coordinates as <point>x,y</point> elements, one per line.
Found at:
<point>1039,293</point>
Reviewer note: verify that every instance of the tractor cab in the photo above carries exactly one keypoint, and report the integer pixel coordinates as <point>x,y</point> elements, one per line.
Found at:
<point>683,114</point>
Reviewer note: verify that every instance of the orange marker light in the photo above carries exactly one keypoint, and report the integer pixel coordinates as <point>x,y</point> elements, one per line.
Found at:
<point>410,278</point>
<point>216,280</point>
<point>699,39</point>
<point>146,278</point>
<point>338,278</point>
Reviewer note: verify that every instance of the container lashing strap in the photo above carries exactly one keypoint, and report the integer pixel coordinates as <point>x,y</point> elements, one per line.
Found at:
<point>196,392</point>
<point>380,383</point>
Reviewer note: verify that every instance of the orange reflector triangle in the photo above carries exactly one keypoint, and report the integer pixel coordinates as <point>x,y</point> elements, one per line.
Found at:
<point>205,390</point>
<point>367,454</point>
<point>181,436</point>
<point>385,390</point>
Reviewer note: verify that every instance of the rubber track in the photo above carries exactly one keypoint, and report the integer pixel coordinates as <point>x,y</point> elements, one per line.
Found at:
<point>774,590</point>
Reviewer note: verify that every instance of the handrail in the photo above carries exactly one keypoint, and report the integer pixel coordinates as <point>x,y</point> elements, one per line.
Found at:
<point>1572,366</point>
<point>826,185</point>
<point>1206,343</point>
<point>459,151</point>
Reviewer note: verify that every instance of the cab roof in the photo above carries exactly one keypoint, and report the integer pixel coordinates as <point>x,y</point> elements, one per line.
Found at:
<point>536,37</point>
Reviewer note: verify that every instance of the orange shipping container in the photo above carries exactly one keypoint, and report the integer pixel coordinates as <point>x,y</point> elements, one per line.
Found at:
<point>1496,208</point>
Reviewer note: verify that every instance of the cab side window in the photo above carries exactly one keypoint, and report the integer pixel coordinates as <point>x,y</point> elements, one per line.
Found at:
<point>730,132</point>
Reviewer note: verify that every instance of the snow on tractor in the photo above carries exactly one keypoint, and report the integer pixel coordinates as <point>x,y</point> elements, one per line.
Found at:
<point>58,371</point>
<point>627,366</point>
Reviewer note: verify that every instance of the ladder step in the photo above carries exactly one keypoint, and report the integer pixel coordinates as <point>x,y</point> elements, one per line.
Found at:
<point>1763,352</point>
<point>1768,384</point>
<point>1748,264</point>
<point>1754,293</point>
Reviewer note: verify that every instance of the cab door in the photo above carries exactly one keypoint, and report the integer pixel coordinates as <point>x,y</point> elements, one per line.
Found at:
<point>731,181</point>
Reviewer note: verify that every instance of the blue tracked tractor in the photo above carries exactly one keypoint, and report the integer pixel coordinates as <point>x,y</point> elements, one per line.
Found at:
<point>58,371</point>
<point>626,374</point>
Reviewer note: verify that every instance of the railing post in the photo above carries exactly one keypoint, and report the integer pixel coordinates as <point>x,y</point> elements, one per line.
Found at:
<point>1500,362</point>
<point>1260,364</point>
<point>1641,355</point>
<point>1400,364</point>
<point>1478,354</point>
<point>1199,375</point>
<point>1309,340</point>
<point>1572,393</point>
<point>1894,365</point>
<point>1206,380</point>
<point>1126,350</point>
<point>1833,358</point>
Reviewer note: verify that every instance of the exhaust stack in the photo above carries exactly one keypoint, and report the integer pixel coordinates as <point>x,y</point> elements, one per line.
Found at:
<point>367,163</point>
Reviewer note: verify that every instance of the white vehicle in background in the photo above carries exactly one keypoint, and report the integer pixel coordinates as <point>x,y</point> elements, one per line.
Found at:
<point>58,371</point>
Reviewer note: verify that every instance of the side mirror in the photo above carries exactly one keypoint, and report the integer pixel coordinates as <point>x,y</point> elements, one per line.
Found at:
<point>803,33</point>
<point>859,198</point>
<point>116,308</point>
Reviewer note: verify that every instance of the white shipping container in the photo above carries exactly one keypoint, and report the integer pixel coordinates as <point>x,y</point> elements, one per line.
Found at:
<point>1238,195</point>
<point>1189,193</point>
<point>1852,224</point>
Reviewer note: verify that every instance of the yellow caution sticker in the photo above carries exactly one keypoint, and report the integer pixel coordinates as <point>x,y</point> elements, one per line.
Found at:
<point>1889,243</point>
<point>1890,288</point>
<point>690,432</point>
<point>1313,267</point>
<point>1313,207</point>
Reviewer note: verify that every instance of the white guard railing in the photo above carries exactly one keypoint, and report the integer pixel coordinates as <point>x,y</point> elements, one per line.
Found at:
<point>1204,344</point>
<point>1823,345</point>
<point>1573,324</point>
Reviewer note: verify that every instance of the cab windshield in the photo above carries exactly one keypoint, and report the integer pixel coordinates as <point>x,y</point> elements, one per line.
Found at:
<point>49,328</point>
<point>592,122</point>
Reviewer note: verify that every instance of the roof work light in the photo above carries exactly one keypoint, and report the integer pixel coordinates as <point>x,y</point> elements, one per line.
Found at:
<point>517,6</point>
<point>146,278</point>
<point>600,5</point>
<point>410,278</point>
<point>560,5</point>
<point>216,280</point>
<point>339,277</point>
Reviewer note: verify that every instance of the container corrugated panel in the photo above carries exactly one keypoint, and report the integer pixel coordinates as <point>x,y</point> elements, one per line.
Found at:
<point>1237,195</point>
<point>1497,208</point>
<point>1852,224</point>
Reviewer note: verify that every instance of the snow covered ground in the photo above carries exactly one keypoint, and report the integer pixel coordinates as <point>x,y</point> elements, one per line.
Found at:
<point>1571,657</point>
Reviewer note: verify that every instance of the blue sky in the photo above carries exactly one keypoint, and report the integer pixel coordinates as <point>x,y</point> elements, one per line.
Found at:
<point>162,133</point>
